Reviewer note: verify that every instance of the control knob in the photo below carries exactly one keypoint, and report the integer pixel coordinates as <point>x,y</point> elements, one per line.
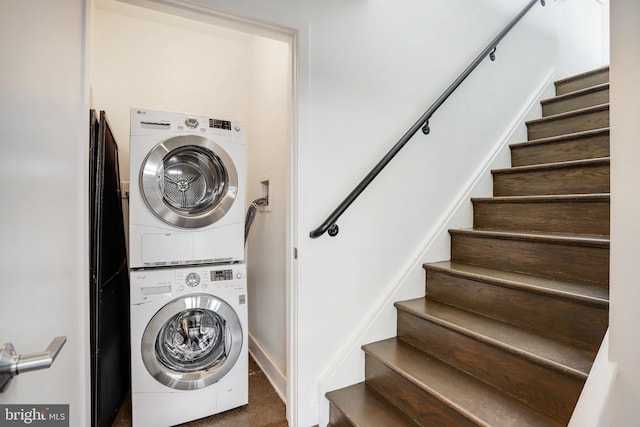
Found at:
<point>191,122</point>
<point>192,279</point>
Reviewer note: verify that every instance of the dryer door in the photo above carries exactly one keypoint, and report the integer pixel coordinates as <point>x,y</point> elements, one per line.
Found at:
<point>188,181</point>
<point>192,342</point>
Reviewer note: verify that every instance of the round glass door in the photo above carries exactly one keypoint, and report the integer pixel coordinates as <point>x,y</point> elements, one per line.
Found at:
<point>192,342</point>
<point>188,181</point>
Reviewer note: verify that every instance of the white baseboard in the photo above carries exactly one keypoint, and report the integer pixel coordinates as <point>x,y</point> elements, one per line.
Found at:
<point>276,377</point>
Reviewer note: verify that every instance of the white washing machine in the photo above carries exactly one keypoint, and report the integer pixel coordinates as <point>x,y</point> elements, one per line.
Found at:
<point>186,198</point>
<point>189,356</point>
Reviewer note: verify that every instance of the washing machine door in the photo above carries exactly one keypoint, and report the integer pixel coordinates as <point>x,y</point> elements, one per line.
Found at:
<point>188,181</point>
<point>192,342</point>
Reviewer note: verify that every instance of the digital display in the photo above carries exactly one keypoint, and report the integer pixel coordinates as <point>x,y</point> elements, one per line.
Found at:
<point>219,275</point>
<point>220,124</point>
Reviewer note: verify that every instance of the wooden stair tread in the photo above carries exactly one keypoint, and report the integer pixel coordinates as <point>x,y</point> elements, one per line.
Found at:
<point>583,292</point>
<point>581,213</point>
<point>548,352</point>
<point>597,94</point>
<point>569,114</point>
<point>571,145</point>
<point>578,176</point>
<point>575,257</point>
<point>568,239</point>
<point>577,93</point>
<point>552,139</point>
<point>566,85</point>
<point>601,161</point>
<point>561,123</point>
<point>579,76</point>
<point>468,396</point>
<point>365,407</point>
<point>544,198</point>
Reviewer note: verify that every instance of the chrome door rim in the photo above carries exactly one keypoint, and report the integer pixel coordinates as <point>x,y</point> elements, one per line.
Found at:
<point>197,379</point>
<point>152,179</point>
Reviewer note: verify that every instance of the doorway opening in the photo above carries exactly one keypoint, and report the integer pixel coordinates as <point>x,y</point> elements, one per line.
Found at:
<point>189,58</point>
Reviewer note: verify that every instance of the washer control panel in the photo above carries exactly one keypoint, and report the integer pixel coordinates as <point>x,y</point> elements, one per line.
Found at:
<point>152,284</point>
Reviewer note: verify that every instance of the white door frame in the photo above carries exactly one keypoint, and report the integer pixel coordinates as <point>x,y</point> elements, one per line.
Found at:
<point>291,35</point>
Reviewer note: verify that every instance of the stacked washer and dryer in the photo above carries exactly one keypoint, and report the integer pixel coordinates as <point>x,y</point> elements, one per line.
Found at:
<point>189,355</point>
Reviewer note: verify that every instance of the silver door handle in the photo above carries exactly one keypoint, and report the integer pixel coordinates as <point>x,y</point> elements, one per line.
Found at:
<point>12,364</point>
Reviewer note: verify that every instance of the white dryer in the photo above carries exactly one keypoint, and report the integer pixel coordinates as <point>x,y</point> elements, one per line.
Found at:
<point>189,356</point>
<point>186,198</point>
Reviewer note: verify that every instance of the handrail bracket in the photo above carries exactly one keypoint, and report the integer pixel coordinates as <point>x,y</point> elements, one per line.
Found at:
<point>425,128</point>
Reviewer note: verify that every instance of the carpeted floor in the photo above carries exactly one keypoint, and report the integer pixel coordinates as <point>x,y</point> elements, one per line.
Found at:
<point>265,409</point>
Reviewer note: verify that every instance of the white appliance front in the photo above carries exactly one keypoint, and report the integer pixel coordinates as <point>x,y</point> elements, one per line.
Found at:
<point>186,198</point>
<point>189,356</point>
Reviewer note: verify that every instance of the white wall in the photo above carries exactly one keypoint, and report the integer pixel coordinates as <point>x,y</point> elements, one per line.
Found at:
<point>582,27</point>
<point>149,59</point>
<point>44,218</point>
<point>268,161</point>
<point>625,211</point>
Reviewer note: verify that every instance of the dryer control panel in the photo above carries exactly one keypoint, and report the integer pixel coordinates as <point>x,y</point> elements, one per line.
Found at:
<point>147,122</point>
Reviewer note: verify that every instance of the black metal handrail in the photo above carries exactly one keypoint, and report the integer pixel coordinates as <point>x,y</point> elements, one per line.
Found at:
<point>329,224</point>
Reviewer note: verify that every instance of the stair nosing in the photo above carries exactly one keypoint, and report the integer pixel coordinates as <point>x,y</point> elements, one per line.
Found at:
<point>569,114</point>
<point>545,198</point>
<point>492,277</point>
<point>561,138</point>
<point>512,348</point>
<point>567,239</point>
<point>576,93</point>
<point>596,161</point>
<point>452,403</point>
<point>582,75</point>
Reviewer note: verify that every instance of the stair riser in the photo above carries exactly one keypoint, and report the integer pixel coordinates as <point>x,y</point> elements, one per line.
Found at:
<point>589,264</point>
<point>591,79</point>
<point>337,418</point>
<point>564,105</point>
<point>584,179</point>
<point>575,216</point>
<point>579,148</point>
<point>565,125</point>
<point>522,379</point>
<point>410,399</point>
<point>577,323</point>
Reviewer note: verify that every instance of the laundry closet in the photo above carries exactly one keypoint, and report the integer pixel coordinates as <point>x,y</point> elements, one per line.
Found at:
<point>174,60</point>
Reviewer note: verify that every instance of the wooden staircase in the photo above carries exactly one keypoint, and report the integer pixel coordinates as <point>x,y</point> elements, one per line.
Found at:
<point>509,328</point>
